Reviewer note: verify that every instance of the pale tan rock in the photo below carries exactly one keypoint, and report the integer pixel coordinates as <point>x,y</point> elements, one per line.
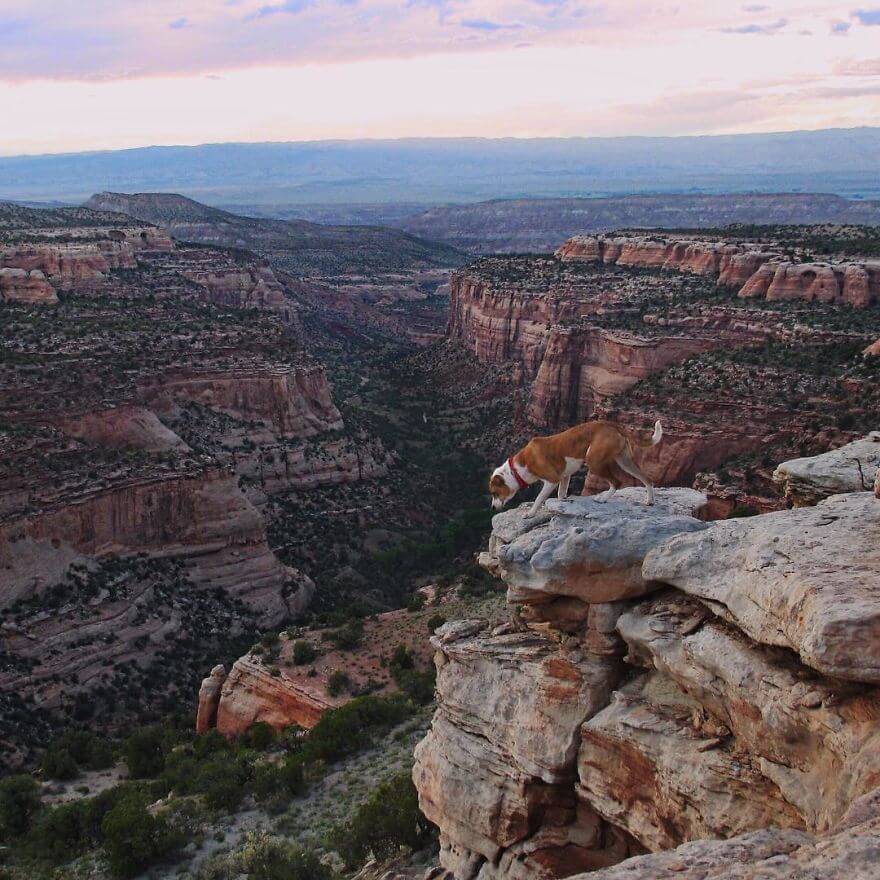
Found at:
<point>590,550</point>
<point>849,852</point>
<point>805,579</point>
<point>850,468</point>
<point>817,740</point>
<point>645,766</point>
<point>497,769</point>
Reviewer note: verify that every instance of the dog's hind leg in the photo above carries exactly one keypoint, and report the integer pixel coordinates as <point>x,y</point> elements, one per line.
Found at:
<point>543,495</point>
<point>627,464</point>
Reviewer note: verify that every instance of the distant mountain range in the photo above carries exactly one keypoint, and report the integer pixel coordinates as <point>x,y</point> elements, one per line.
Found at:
<point>296,246</point>
<point>542,224</point>
<point>438,171</point>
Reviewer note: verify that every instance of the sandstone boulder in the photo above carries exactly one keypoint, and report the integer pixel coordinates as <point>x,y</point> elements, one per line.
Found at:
<point>805,579</point>
<point>520,693</point>
<point>850,852</point>
<point>588,549</point>
<point>251,693</point>
<point>496,772</point>
<point>650,764</point>
<point>818,741</point>
<point>850,468</point>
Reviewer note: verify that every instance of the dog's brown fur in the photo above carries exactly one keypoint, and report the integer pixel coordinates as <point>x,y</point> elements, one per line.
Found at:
<point>602,446</point>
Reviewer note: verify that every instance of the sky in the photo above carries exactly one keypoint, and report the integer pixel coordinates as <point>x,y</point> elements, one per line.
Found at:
<point>110,74</point>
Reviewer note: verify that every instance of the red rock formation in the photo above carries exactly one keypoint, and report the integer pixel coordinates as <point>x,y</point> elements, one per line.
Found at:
<point>583,365</point>
<point>757,272</point>
<point>732,264</point>
<point>209,699</point>
<point>251,693</point>
<point>852,284</point>
<point>292,401</point>
<point>23,286</point>
<point>254,287</point>
<point>502,324</point>
<point>121,427</point>
<point>202,518</point>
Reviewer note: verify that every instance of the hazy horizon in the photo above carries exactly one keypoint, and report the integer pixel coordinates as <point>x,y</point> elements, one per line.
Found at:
<point>99,75</point>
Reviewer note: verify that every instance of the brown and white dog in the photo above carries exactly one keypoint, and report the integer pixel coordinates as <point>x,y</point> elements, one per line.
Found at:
<point>555,459</point>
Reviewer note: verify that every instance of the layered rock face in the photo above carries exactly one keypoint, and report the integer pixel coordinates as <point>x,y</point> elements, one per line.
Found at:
<point>757,272</point>
<point>250,693</point>
<point>851,468</point>
<point>678,682</point>
<point>582,366</point>
<point>548,327</point>
<point>200,517</point>
<point>502,325</point>
<point>290,401</point>
<point>23,286</point>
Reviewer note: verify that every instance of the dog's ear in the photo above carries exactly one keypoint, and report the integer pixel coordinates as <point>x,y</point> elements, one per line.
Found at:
<point>496,482</point>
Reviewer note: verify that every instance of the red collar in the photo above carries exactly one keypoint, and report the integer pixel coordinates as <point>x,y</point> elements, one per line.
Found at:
<point>516,474</point>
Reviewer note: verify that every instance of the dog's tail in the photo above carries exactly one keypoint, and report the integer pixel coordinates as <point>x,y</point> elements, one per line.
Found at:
<point>654,439</point>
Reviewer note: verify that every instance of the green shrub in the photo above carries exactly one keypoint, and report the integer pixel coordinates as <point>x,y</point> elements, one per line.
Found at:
<point>416,603</point>
<point>388,820</point>
<point>221,782</point>
<point>350,728</point>
<point>133,839</point>
<point>19,801</point>
<point>435,621</point>
<point>264,857</point>
<point>144,753</point>
<point>59,764</point>
<point>418,686</point>
<point>259,736</point>
<point>303,652</point>
<point>337,683</point>
<point>348,636</point>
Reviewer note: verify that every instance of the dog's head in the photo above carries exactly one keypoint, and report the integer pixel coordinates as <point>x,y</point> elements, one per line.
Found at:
<point>499,490</point>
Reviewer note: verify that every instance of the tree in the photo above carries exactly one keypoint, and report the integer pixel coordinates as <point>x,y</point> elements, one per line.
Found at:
<point>143,753</point>
<point>133,839</point>
<point>19,801</point>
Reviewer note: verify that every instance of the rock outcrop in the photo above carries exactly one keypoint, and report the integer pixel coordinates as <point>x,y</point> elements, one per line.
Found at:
<point>290,401</point>
<point>706,686</point>
<point>209,699</point>
<point>849,850</point>
<point>756,271</point>
<point>201,518</point>
<point>783,580</point>
<point>26,286</point>
<point>583,365</point>
<point>251,693</point>
<point>851,468</point>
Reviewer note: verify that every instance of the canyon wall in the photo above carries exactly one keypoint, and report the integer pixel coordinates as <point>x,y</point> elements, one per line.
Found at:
<point>670,681</point>
<point>200,517</point>
<point>756,271</point>
<point>583,365</point>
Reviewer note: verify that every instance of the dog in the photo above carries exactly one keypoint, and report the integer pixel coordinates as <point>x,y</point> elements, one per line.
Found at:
<point>554,460</point>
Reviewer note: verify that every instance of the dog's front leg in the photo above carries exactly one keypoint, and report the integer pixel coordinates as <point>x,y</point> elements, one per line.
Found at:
<point>543,495</point>
<point>563,487</point>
